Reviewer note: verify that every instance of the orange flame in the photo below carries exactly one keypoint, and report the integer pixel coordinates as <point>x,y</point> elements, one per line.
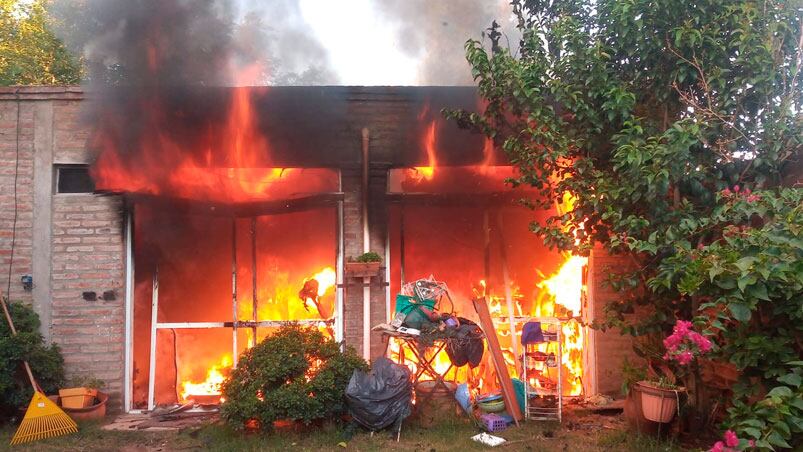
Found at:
<point>215,374</point>
<point>209,387</point>
<point>428,172</point>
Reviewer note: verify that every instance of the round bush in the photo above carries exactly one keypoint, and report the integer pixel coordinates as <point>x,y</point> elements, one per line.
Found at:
<point>46,362</point>
<point>295,374</point>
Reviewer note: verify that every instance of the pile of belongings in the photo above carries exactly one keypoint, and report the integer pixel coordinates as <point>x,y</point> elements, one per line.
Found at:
<point>418,315</point>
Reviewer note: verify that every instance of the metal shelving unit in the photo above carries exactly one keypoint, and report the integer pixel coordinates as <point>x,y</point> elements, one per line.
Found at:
<point>542,372</point>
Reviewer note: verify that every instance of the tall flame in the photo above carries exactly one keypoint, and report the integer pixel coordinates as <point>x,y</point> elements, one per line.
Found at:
<point>428,172</point>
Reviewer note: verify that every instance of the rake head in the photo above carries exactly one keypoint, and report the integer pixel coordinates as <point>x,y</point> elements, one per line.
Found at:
<point>44,419</point>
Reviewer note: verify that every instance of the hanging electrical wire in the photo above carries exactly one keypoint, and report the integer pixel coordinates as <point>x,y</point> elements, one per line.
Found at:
<point>16,206</point>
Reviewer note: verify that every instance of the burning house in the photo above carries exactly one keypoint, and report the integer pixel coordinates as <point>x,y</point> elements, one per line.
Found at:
<point>156,249</point>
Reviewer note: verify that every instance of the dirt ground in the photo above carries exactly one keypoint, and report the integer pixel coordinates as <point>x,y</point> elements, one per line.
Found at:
<point>580,431</point>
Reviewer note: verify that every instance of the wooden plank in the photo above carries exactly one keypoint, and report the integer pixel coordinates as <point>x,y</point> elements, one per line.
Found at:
<point>511,403</point>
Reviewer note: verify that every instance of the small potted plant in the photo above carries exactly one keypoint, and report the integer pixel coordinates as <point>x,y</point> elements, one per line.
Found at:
<point>364,265</point>
<point>659,399</point>
<point>660,396</point>
<point>84,400</point>
<point>81,393</point>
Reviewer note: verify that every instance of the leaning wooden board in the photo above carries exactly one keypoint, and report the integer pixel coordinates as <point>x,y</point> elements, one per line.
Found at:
<point>511,403</point>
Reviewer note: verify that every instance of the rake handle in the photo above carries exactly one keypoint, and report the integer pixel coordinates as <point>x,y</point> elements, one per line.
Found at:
<point>14,333</point>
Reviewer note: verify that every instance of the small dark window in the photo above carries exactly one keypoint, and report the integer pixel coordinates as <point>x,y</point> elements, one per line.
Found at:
<point>74,179</point>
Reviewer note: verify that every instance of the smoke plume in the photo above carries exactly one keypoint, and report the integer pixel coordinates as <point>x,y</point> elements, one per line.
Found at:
<point>190,43</point>
<point>435,32</point>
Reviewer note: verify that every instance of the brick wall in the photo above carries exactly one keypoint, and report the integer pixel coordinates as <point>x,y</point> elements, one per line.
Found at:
<point>88,256</point>
<point>69,243</point>
<point>10,131</point>
<point>610,348</point>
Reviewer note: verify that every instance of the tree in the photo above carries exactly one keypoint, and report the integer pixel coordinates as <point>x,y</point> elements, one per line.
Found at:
<point>671,123</point>
<point>30,54</point>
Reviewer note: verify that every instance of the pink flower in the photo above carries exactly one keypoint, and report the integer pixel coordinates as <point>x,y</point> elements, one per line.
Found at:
<point>747,191</point>
<point>672,342</point>
<point>719,446</point>
<point>731,440</point>
<point>682,327</point>
<point>751,443</point>
<point>685,357</point>
<point>736,189</point>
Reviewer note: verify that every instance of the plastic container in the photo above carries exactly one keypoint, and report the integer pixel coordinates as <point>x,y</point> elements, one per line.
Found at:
<point>493,422</point>
<point>77,397</point>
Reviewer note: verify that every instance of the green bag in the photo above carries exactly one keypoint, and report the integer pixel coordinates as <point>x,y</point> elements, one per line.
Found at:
<point>411,308</point>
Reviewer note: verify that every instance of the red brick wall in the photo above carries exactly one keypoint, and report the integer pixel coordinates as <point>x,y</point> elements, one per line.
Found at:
<point>611,348</point>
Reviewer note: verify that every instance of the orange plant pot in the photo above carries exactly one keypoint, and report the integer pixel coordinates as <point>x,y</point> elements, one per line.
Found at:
<point>363,269</point>
<point>77,397</point>
<point>659,404</point>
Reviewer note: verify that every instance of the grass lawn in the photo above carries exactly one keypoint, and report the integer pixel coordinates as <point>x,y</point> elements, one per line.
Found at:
<point>451,435</point>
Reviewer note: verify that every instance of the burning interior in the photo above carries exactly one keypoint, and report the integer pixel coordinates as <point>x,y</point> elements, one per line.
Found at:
<point>242,218</point>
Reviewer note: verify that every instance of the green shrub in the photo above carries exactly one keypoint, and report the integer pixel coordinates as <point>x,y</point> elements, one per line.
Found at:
<point>276,380</point>
<point>368,257</point>
<point>45,360</point>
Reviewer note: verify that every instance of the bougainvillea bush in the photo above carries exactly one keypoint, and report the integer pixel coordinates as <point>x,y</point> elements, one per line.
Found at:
<point>749,281</point>
<point>675,126</point>
<point>295,374</point>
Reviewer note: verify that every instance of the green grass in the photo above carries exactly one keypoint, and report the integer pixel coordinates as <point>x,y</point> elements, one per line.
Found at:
<point>450,435</point>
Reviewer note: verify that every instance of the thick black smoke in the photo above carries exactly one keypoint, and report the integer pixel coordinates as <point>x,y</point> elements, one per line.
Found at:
<point>192,42</point>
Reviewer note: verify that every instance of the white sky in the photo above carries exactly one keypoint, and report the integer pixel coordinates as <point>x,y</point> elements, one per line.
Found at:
<point>362,49</point>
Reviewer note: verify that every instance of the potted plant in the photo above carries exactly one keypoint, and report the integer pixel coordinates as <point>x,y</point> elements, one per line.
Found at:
<point>84,400</point>
<point>81,393</point>
<point>364,265</point>
<point>659,399</point>
<point>660,395</point>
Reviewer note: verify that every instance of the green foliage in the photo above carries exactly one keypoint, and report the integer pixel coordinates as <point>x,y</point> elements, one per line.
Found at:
<point>46,362</point>
<point>646,111</point>
<point>296,374</point>
<point>368,257</point>
<point>30,54</point>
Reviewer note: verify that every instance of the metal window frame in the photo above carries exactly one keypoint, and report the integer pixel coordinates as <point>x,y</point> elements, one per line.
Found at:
<point>336,320</point>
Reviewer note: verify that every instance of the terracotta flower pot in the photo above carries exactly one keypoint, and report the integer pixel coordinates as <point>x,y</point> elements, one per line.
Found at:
<point>363,269</point>
<point>659,404</point>
<point>77,397</point>
<point>95,410</point>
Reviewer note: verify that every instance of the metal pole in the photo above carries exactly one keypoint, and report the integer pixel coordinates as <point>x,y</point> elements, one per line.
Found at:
<point>129,311</point>
<point>339,289</point>
<point>401,245</point>
<point>508,290</point>
<point>366,246</point>
<point>152,364</point>
<point>486,228</point>
<point>254,297</point>
<point>234,289</point>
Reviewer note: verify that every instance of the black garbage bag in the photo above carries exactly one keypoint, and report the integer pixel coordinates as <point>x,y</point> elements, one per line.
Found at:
<point>381,397</point>
<point>466,346</point>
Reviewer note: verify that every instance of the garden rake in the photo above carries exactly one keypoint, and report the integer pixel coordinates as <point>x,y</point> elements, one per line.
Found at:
<point>43,419</point>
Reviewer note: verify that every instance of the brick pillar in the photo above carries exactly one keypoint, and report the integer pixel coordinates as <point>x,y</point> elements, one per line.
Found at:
<point>610,348</point>
<point>353,237</point>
